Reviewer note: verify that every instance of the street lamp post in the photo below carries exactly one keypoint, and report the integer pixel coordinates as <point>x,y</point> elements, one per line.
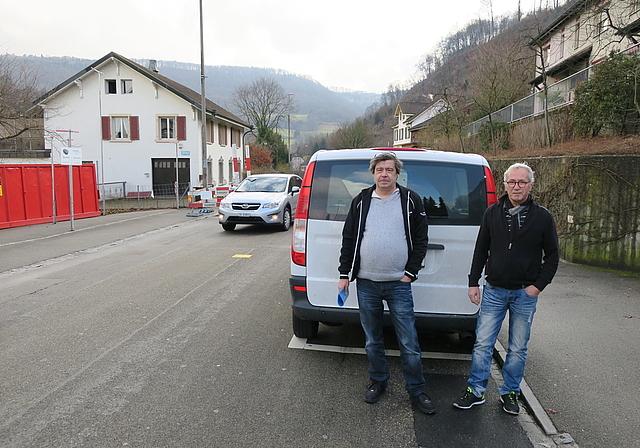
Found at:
<point>289,127</point>
<point>102,190</point>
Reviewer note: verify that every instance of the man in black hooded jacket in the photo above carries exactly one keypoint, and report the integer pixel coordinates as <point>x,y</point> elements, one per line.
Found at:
<point>517,245</point>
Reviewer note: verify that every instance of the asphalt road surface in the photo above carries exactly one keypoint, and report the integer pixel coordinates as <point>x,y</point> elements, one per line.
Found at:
<point>151,329</point>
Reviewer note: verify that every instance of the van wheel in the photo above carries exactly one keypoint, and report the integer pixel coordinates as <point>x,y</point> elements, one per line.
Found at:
<point>305,328</point>
<point>228,226</point>
<point>286,220</point>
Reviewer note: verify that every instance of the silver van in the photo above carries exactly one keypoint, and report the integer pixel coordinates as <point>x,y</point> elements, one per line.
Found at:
<point>456,189</point>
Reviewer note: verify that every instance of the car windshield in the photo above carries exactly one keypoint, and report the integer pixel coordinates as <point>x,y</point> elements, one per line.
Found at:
<point>264,184</point>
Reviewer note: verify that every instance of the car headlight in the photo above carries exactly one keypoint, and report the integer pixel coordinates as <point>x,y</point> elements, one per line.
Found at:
<point>225,205</point>
<point>274,204</point>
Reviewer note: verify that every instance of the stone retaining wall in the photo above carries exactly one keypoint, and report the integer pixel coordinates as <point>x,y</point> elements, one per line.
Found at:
<point>596,203</point>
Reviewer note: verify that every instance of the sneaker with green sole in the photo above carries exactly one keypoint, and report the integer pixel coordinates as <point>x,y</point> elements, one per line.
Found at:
<point>468,400</point>
<point>510,403</point>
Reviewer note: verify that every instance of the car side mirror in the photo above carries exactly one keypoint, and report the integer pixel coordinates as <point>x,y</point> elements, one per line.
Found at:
<point>295,190</point>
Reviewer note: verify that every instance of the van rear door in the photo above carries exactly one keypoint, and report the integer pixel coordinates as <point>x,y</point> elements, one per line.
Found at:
<point>455,197</point>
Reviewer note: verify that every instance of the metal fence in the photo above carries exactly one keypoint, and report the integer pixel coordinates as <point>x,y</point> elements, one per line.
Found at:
<point>120,196</point>
<point>113,190</point>
<point>559,94</point>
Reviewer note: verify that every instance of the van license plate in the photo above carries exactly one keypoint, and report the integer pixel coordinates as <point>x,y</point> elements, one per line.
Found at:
<point>245,215</point>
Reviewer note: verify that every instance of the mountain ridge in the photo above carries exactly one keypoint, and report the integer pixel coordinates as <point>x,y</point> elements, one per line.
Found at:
<point>318,108</point>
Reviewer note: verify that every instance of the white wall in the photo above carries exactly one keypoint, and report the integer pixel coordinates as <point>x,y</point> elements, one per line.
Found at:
<point>131,161</point>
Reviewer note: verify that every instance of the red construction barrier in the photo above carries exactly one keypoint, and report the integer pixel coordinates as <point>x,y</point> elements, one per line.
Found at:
<point>26,196</point>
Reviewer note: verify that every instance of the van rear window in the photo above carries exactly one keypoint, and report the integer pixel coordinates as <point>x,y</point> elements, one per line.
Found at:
<point>452,193</point>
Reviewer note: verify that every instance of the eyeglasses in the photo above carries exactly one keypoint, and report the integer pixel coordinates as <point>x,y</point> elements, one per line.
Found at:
<point>520,183</point>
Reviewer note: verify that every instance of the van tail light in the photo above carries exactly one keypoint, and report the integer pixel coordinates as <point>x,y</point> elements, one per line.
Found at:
<point>299,237</point>
<point>490,185</point>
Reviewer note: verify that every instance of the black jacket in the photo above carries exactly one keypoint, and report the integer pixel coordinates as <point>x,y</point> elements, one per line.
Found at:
<point>528,257</point>
<point>415,228</point>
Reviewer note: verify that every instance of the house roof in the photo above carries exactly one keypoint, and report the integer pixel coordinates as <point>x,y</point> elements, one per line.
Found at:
<point>409,108</point>
<point>184,92</point>
<point>428,114</point>
<point>575,7</point>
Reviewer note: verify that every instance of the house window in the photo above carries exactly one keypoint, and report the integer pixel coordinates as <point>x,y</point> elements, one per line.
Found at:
<point>172,128</point>
<point>576,34</point>
<point>167,128</point>
<point>222,134</point>
<point>120,126</point>
<point>603,22</point>
<point>126,86</point>
<point>235,137</point>
<point>110,86</point>
<point>123,128</point>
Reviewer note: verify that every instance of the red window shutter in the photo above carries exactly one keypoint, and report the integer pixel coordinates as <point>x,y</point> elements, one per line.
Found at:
<point>106,128</point>
<point>182,128</point>
<point>135,127</point>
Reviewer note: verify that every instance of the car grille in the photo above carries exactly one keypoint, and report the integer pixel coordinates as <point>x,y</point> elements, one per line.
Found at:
<point>245,206</point>
<point>246,220</point>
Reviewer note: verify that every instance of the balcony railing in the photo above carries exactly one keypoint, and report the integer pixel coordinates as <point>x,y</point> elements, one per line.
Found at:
<point>559,94</point>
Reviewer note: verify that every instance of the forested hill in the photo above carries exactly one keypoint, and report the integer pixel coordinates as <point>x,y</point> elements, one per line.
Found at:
<point>319,104</point>
<point>458,68</point>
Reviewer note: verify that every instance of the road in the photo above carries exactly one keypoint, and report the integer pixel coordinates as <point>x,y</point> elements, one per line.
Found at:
<point>152,329</point>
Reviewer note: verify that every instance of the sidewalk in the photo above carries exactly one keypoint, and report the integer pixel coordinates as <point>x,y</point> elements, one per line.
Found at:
<point>23,246</point>
<point>583,358</point>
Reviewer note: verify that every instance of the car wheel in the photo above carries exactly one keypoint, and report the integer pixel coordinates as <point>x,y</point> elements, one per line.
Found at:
<point>228,226</point>
<point>303,328</point>
<point>286,219</point>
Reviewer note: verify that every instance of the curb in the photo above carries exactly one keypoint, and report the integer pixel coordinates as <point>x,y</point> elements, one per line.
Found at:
<point>538,412</point>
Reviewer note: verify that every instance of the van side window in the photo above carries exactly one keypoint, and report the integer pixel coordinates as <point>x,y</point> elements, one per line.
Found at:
<point>452,193</point>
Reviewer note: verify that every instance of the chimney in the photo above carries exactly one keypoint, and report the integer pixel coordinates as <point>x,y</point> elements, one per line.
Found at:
<point>153,65</point>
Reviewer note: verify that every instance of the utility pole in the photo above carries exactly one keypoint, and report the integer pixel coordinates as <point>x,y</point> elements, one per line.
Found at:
<point>289,127</point>
<point>103,199</point>
<point>203,100</point>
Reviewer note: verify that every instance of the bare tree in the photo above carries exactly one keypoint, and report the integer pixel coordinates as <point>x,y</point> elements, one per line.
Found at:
<point>500,76</point>
<point>263,103</point>
<point>489,5</point>
<point>351,135</point>
<point>18,89</point>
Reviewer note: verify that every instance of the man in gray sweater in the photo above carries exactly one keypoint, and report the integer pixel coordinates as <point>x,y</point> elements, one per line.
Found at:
<point>384,241</point>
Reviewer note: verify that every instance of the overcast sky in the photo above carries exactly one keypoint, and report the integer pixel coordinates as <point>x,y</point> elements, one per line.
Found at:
<point>352,44</point>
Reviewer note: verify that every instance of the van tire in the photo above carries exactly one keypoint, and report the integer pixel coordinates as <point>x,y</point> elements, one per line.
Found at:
<point>228,226</point>
<point>286,219</point>
<point>305,328</point>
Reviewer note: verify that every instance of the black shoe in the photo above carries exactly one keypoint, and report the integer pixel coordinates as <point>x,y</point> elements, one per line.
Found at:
<point>375,390</point>
<point>468,399</point>
<point>510,403</point>
<point>424,403</point>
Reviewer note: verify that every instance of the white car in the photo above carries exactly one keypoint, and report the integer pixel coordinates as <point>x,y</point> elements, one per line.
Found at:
<point>263,199</point>
<point>456,189</point>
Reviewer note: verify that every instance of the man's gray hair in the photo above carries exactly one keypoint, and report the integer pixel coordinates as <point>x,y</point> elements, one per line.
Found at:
<point>524,166</point>
<point>383,156</point>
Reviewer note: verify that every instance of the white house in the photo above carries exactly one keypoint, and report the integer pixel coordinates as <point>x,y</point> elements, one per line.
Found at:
<point>411,118</point>
<point>585,33</point>
<point>404,112</point>
<point>136,125</point>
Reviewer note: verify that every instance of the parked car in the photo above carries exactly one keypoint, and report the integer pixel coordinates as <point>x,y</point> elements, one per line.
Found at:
<point>456,189</point>
<point>263,199</point>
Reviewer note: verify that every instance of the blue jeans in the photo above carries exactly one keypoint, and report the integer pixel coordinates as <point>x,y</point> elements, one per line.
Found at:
<point>400,301</point>
<point>493,308</point>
